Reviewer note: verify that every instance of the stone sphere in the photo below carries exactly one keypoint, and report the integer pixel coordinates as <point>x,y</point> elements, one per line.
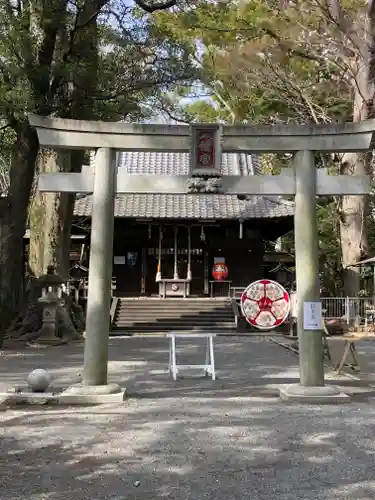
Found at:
<point>39,380</point>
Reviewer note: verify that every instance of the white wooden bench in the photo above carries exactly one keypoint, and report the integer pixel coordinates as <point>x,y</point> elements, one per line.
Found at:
<point>209,365</point>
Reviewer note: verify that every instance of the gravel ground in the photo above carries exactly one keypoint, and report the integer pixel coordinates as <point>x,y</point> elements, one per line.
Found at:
<point>192,440</point>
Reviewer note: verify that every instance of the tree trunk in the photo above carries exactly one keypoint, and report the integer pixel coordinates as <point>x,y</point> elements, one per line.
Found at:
<point>36,222</point>
<point>353,227</point>
<point>13,218</point>
<point>51,217</point>
<point>355,209</point>
<point>11,268</point>
<point>51,214</point>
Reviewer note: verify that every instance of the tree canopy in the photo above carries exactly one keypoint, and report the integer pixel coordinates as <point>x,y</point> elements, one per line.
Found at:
<point>89,59</point>
<point>288,62</point>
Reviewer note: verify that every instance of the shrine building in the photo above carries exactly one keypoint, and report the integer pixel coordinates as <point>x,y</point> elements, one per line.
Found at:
<point>167,245</point>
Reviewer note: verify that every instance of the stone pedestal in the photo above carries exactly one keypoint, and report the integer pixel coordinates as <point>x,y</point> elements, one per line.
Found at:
<point>48,332</point>
<point>77,394</point>
<point>92,394</point>
<point>327,394</point>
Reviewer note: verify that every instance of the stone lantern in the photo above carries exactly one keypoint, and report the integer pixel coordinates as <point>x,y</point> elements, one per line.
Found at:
<point>51,292</point>
<point>51,282</point>
<point>49,303</point>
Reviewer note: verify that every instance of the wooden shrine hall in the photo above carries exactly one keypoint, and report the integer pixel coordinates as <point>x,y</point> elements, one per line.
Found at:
<point>166,245</point>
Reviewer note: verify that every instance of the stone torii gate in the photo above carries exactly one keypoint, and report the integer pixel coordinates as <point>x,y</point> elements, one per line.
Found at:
<point>206,142</point>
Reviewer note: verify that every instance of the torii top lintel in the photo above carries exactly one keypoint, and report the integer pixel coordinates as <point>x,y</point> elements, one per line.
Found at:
<point>79,134</point>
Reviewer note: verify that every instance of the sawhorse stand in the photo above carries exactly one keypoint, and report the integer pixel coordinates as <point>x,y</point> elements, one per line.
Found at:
<point>208,367</point>
<point>348,350</point>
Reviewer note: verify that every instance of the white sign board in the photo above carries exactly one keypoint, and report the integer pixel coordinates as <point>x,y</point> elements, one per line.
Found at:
<point>312,316</point>
<point>119,260</point>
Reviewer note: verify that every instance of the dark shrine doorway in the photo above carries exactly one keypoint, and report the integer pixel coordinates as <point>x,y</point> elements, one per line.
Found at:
<point>128,272</point>
<point>168,266</point>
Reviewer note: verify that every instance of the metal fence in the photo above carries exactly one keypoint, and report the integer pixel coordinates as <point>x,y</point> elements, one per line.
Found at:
<point>236,291</point>
<point>349,308</point>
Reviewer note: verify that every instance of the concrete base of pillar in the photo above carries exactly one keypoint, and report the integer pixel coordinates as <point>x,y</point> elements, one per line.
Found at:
<point>92,394</point>
<point>326,394</point>
<point>77,394</point>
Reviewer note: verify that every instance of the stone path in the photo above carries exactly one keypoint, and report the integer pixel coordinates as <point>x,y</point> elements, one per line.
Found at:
<point>191,440</point>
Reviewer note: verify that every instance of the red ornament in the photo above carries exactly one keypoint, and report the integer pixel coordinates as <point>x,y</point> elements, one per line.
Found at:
<point>220,271</point>
<point>265,304</point>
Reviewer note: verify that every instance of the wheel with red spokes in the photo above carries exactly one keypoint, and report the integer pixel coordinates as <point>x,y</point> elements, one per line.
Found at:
<point>265,304</point>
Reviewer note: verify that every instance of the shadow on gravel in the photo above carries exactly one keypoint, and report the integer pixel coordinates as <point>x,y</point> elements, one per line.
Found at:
<point>191,440</point>
<point>223,451</point>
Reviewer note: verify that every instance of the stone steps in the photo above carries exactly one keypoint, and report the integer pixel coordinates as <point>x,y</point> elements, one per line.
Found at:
<point>163,315</point>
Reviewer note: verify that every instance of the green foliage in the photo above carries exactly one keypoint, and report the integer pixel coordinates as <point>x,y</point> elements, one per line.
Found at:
<point>329,246</point>
<point>7,138</point>
<point>276,62</point>
<point>260,63</point>
<point>328,224</point>
<point>109,55</point>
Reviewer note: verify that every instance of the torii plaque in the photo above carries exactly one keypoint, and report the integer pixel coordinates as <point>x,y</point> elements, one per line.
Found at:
<point>303,181</point>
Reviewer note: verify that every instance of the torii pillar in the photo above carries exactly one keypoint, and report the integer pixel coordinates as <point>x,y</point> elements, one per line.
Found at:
<point>95,387</point>
<point>304,181</point>
<point>100,270</point>
<point>307,270</point>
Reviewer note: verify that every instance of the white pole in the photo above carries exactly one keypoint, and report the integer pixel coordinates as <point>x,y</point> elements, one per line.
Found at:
<point>189,275</point>
<point>347,310</point>
<point>158,272</point>
<point>175,274</point>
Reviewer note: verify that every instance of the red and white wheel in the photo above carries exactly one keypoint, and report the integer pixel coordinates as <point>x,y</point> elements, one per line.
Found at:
<point>265,304</point>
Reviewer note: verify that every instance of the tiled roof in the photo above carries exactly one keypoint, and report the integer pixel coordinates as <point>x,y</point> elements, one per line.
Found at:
<point>178,163</point>
<point>159,206</point>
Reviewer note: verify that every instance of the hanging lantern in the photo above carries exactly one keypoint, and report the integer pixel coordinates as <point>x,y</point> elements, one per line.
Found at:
<point>220,271</point>
<point>158,272</point>
<point>203,236</point>
<point>241,230</point>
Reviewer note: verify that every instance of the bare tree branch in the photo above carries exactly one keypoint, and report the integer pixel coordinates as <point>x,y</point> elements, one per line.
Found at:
<point>152,7</point>
<point>84,16</point>
<point>164,108</point>
<point>333,10</point>
<point>224,102</point>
